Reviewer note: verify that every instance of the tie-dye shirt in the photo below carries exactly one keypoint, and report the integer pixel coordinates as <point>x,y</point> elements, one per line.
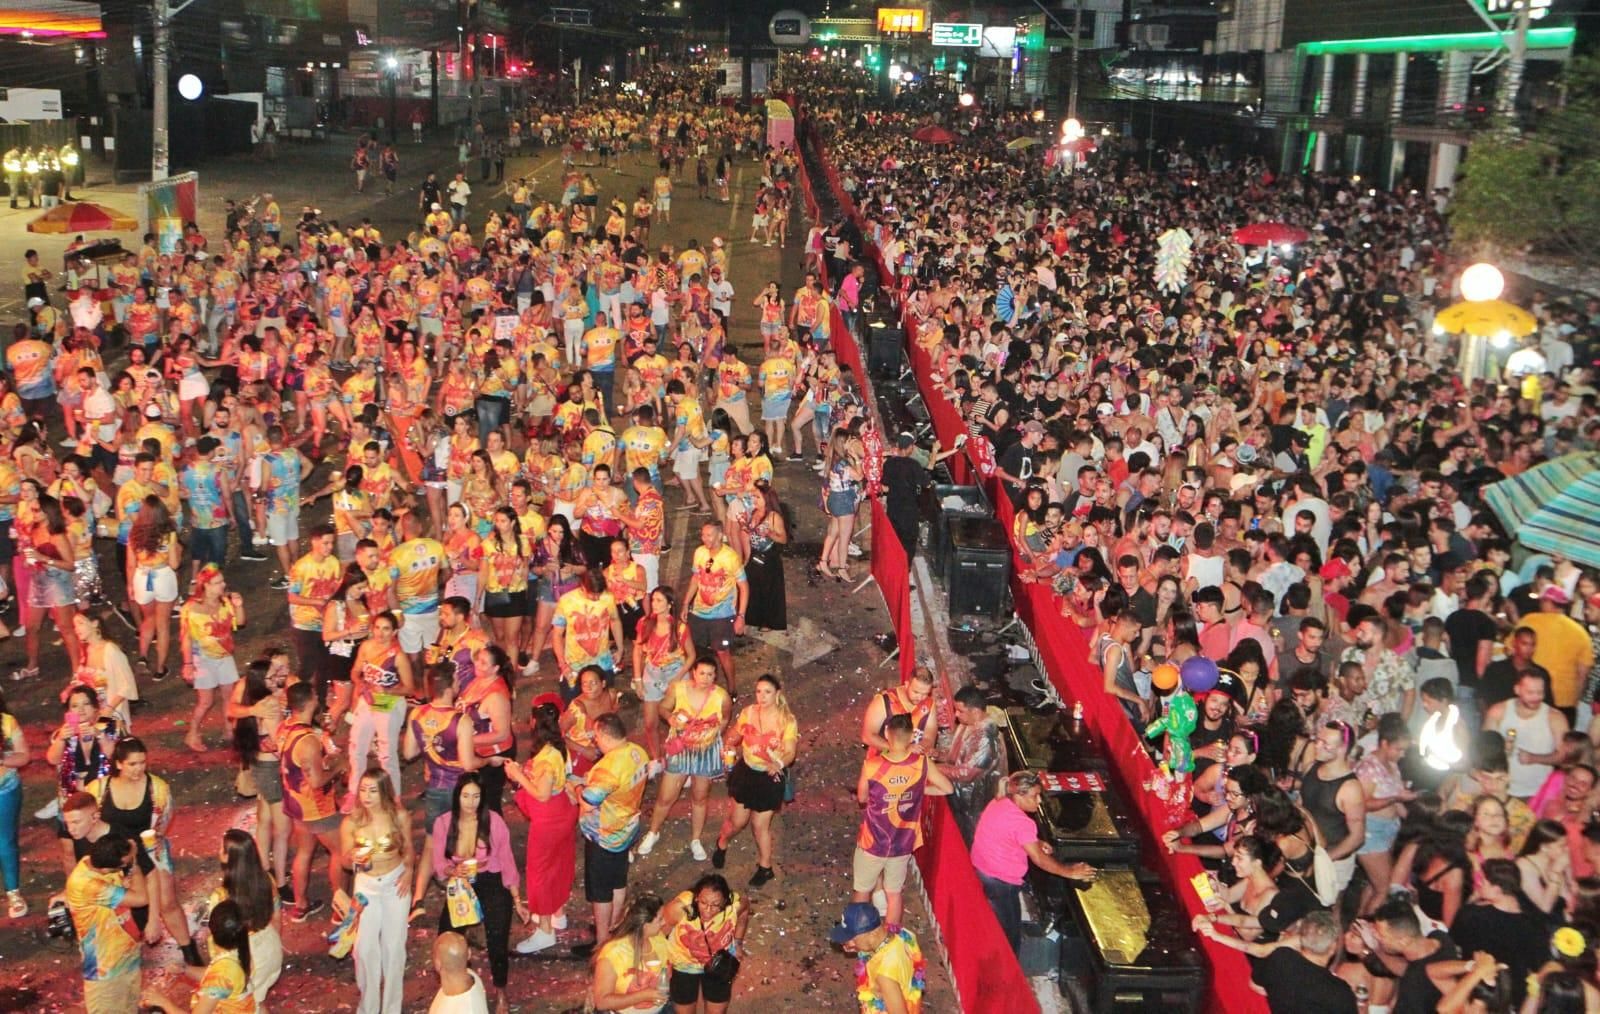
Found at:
<point>110,942</point>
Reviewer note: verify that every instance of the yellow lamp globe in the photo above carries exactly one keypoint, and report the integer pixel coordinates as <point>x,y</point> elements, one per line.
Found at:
<point>1482,282</point>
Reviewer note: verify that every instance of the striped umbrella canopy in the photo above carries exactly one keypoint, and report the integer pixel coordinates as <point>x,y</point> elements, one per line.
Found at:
<point>1552,507</point>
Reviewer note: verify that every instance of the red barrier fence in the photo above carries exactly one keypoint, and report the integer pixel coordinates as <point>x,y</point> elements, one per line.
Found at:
<point>986,972</point>
<point>1064,655</point>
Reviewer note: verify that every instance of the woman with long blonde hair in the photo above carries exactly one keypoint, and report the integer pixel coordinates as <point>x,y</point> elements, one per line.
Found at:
<point>375,843</point>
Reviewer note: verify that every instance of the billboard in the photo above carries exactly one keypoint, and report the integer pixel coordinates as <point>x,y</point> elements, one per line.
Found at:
<point>948,33</point>
<point>904,20</point>
<point>999,42</point>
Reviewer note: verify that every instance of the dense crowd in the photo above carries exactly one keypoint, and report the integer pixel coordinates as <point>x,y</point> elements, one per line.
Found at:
<point>1272,465</point>
<point>496,418</point>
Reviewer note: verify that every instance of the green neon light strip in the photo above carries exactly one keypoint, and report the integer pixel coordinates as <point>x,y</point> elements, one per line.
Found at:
<point>1538,38</point>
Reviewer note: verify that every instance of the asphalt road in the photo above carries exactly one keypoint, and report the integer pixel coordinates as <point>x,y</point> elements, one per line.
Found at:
<point>790,966</point>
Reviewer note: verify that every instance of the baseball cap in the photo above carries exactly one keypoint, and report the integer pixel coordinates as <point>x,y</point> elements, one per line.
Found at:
<point>1555,593</point>
<point>859,917</point>
<point>1033,426</point>
<point>35,303</point>
<point>905,440</point>
<point>1334,569</point>
<point>152,411</point>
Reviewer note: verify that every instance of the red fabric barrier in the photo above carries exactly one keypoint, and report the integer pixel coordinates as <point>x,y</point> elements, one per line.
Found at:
<point>1064,654</point>
<point>987,975</point>
<point>892,571</point>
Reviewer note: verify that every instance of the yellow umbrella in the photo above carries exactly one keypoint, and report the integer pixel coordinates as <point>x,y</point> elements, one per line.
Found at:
<point>1486,318</point>
<point>1026,141</point>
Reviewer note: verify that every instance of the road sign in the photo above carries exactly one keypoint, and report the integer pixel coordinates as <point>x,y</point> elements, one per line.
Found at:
<point>968,36</point>
<point>580,16</point>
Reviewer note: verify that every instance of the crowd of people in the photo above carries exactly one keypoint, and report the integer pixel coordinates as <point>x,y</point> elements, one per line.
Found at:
<point>1275,466</point>
<point>494,418</point>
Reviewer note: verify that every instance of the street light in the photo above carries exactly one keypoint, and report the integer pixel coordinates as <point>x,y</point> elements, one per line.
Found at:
<point>966,98</point>
<point>1482,282</point>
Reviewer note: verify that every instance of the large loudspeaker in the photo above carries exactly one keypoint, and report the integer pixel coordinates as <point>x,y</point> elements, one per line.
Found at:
<point>884,346</point>
<point>977,570</point>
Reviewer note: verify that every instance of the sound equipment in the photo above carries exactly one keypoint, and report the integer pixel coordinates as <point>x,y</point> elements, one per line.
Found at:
<point>946,503</point>
<point>1051,741</point>
<point>1133,949</point>
<point>885,345</point>
<point>978,572</point>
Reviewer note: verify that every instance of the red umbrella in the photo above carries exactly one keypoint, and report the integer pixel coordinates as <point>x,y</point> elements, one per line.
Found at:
<point>933,135</point>
<point>1080,146</point>
<point>1270,234</point>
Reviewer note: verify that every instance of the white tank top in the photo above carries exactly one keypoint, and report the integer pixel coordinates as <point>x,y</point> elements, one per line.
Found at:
<point>1533,735</point>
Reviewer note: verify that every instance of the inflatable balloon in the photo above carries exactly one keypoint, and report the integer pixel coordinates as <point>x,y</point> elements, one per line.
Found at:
<point>1199,674</point>
<point>1164,677</point>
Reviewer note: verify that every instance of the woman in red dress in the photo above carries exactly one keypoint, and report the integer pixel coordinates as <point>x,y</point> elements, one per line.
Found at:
<point>552,812</point>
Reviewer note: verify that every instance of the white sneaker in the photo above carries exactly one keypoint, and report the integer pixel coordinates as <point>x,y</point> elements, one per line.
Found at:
<point>853,551</point>
<point>559,920</point>
<point>698,851</point>
<point>50,811</point>
<point>538,941</point>
<point>648,844</point>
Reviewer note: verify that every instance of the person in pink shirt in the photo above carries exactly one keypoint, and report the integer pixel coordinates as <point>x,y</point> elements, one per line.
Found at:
<point>1006,841</point>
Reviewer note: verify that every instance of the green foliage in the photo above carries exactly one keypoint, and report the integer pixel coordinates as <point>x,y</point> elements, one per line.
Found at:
<point>1539,190</point>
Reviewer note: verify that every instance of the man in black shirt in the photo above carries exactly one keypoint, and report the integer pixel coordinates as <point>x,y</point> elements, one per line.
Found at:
<point>1293,970</point>
<point>1500,678</point>
<point>1395,936</point>
<point>1017,464</point>
<point>1471,632</point>
<point>904,479</point>
<point>1498,922</point>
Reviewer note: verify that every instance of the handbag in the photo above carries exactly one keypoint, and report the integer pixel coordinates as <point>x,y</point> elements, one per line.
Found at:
<point>1323,881</point>
<point>723,966</point>
<point>788,785</point>
<point>462,902</point>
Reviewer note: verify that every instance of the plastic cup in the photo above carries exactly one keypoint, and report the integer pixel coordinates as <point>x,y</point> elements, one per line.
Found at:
<point>469,868</point>
<point>148,838</point>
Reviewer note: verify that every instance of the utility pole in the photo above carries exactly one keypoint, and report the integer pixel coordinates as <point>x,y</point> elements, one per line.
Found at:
<point>159,136</point>
<point>1511,75</point>
<point>161,31</point>
<point>1072,89</point>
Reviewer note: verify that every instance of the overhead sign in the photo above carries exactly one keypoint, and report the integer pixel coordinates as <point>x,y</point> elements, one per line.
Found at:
<point>903,20</point>
<point>577,16</point>
<point>789,28</point>
<point>999,42</point>
<point>1508,8</point>
<point>948,33</point>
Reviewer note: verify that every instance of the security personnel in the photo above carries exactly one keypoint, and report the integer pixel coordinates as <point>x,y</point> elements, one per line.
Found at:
<point>33,168</point>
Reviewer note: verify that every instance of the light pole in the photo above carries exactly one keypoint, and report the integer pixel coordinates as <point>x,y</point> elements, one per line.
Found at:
<point>162,14</point>
<point>391,71</point>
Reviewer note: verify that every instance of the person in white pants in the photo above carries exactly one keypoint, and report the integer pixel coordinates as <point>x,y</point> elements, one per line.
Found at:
<point>376,841</point>
<point>380,682</point>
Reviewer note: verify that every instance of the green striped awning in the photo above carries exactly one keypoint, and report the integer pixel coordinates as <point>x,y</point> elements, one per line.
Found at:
<point>1553,507</point>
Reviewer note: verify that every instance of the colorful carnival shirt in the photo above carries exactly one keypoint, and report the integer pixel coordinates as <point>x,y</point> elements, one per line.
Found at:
<point>694,941</point>
<point>898,959</point>
<point>585,624</point>
<point>891,825</point>
<point>762,745</point>
<point>716,588</point>
<point>313,579</point>
<point>414,567</point>
<point>110,941</point>
<point>225,982</point>
<point>613,790</point>
<point>210,636</point>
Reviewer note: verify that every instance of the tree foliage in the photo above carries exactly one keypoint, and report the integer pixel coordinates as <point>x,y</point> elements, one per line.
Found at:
<point>1537,191</point>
